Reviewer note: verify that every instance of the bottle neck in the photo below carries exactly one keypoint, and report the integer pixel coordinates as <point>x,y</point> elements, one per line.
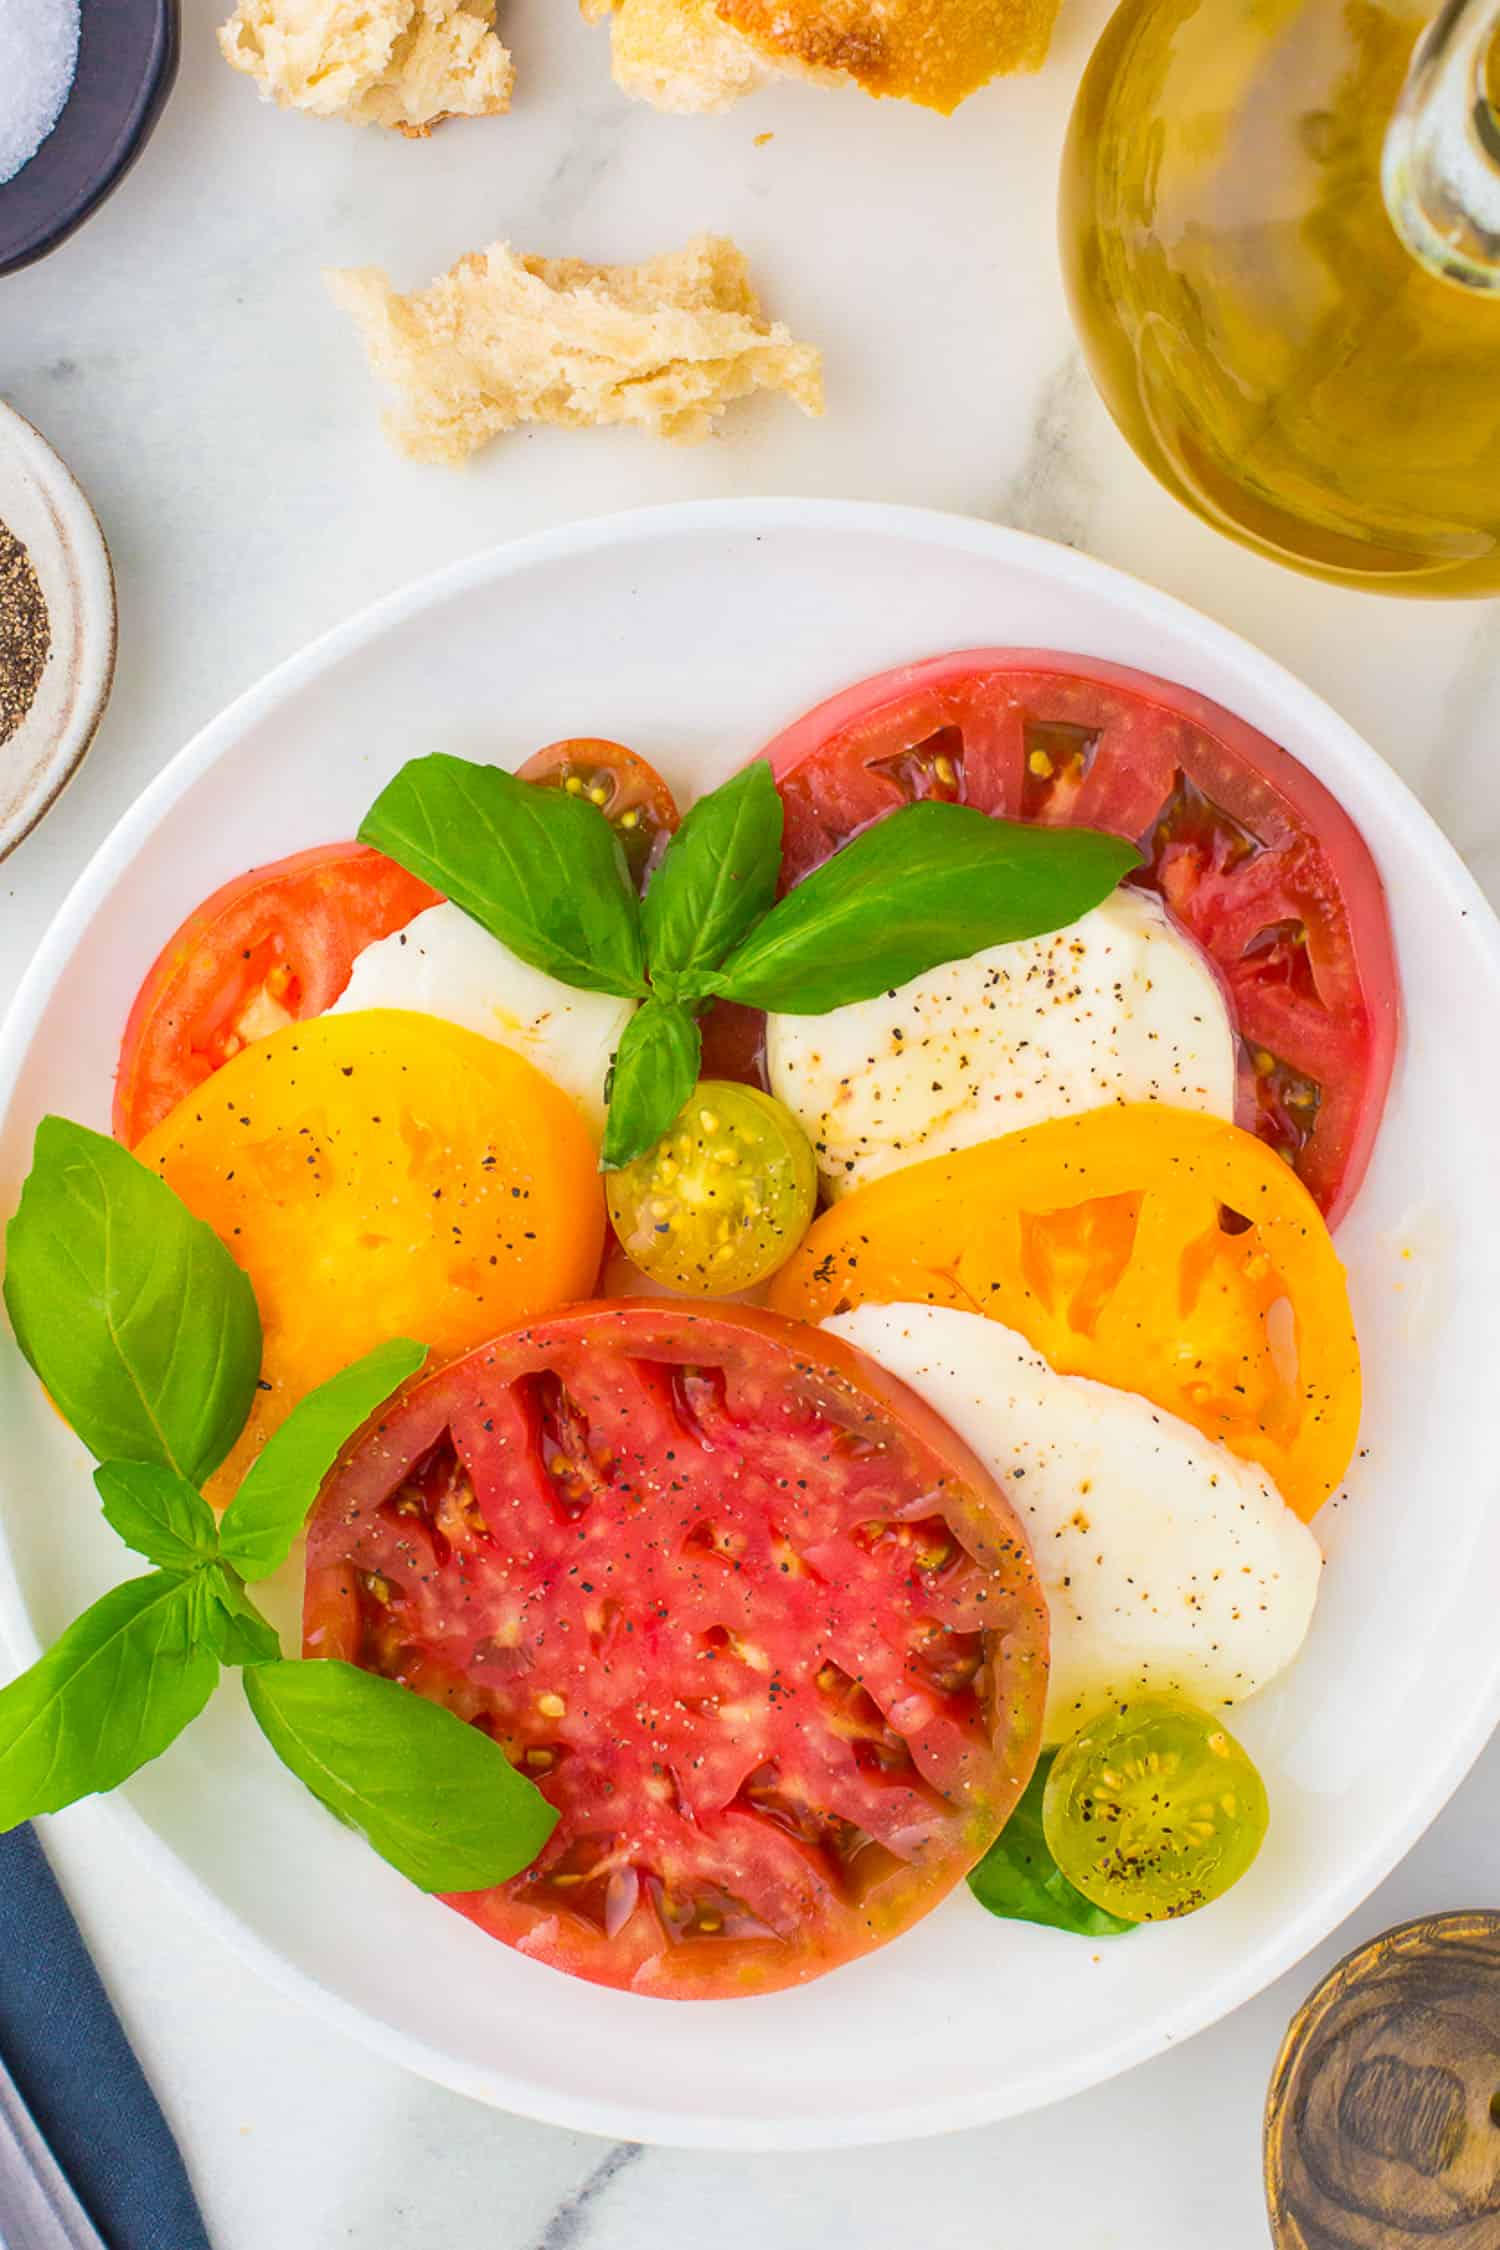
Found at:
<point>1441,167</point>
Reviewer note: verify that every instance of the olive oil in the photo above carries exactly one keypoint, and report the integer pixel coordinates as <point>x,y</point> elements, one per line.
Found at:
<point>1259,330</point>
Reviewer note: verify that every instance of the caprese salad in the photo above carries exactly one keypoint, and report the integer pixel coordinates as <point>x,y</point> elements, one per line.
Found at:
<point>804,1334</point>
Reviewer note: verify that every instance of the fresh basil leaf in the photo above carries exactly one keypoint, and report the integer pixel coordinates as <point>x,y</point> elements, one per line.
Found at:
<point>1019,1880</point>
<point>540,870</point>
<point>263,1520</point>
<point>656,1069</point>
<point>928,884</point>
<point>433,1795</point>
<point>124,1680</point>
<point>139,1323</point>
<point>232,1625</point>
<point>718,878</point>
<point>158,1513</point>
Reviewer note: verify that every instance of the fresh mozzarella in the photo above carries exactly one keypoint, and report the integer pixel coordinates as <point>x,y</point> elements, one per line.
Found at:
<point>1168,1564</point>
<point>444,964</point>
<point>1118,1007</point>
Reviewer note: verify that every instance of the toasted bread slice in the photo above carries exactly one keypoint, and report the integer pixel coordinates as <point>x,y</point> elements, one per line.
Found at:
<point>407,64</point>
<point>501,339</point>
<point>703,54</point>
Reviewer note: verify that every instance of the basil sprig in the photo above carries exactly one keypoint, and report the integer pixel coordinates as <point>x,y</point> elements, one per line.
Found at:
<point>101,1257</point>
<point>1019,1880</point>
<point>433,1795</point>
<point>157,1513</point>
<point>655,1071</point>
<point>124,1680</point>
<point>931,883</point>
<point>542,872</point>
<point>266,1515</point>
<point>145,1332</point>
<point>716,881</point>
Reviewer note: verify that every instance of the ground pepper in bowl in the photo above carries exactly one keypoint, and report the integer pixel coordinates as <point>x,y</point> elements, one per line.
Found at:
<point>25,633</point>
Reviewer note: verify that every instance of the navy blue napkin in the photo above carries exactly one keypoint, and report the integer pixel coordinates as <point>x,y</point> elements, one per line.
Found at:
<point>76,2072</point>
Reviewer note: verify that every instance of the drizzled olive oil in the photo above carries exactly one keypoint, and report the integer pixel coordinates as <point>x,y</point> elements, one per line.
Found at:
<point>1260,332</point>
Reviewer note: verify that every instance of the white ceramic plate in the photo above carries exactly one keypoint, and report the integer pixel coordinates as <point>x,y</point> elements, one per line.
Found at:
<point>695,633</point>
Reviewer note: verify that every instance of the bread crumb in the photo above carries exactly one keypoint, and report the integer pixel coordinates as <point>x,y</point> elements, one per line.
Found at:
<point>406,64</point>
<point>501,339</point>
<point>697,55</point>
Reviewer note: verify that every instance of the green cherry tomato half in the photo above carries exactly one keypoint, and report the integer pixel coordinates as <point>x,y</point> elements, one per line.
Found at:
<point>1153,1809</point>
<point>723,1199</point>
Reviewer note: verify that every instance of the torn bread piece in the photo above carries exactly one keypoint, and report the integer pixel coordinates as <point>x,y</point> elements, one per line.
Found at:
<point>679,54</point>
<point>697,55</point>
<point>407,64</point>
<point>501,339</point>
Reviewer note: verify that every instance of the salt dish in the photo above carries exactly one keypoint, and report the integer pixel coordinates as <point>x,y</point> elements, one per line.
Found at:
<point>57,627</point>
<point>73,122</point>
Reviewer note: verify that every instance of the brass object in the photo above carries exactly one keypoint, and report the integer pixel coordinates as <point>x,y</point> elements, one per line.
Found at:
<point>1383,2116</point>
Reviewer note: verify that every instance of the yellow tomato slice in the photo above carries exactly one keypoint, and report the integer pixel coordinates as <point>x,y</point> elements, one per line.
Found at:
<point>1151,1248</point>
<point>383,1174</point>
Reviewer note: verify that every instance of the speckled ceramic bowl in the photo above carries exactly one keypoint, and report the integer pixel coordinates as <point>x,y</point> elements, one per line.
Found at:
<point>42,504</point>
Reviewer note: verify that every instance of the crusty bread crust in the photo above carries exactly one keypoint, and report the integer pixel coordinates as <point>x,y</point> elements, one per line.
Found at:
<point>405,64</point>
<point>664,346</point>
<point>694,55</point>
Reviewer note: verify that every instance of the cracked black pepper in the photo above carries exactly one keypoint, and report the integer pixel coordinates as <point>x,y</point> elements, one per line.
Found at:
<point>25,633</point>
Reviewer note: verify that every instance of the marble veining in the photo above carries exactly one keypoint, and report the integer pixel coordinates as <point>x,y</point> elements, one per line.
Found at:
<point>1052,491</point>
<point>578,2216</point>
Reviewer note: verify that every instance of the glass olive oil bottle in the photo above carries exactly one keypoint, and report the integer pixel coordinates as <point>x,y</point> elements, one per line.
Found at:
<point>1281,236</point>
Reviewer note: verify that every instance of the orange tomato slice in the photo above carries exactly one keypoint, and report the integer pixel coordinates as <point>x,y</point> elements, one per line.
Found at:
<point>1151,1248</point>
<point>383,1174</point>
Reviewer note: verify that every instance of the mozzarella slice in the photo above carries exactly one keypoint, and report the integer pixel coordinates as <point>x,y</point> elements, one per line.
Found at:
<point>444,964</point>
<point>1118,1007</point>
<point>1168,1564</point>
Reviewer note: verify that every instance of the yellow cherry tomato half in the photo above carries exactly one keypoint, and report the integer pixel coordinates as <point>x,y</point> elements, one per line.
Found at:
<point>1151,1248</point>
<point>383,1174</point>
<point>723,1198</point>
<point>1154,1809</point>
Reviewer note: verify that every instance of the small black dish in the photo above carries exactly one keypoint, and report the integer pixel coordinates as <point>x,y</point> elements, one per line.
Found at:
<point>127,60</point>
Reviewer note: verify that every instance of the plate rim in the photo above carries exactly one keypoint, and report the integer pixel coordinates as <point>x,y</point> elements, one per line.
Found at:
<point>639,2121</point>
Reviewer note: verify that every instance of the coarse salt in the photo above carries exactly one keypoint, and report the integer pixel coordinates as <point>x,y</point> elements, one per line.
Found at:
<point>38,57</point>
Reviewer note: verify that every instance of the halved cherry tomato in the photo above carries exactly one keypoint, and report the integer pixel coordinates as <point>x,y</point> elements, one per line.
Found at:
<point>1154,1809</point>
<point>271,948</point>
<point>383,1174</point>
<point>1154,1249</point>
<point>722,1199</point>
<point>1252,855</point>
<point>760,1627</point>
<point>630,793</point>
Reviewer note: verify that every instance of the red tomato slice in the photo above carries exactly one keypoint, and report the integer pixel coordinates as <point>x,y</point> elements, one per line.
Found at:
<point>760,1627</point>
<point>630,793</point>
<point>1251,854</point>
<point>271,948</point>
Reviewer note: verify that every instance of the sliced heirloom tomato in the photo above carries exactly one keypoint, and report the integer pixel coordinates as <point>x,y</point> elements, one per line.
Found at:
<point>271,948</point>
<point>383,1174</point>
<point>1251,854</point>
<point>756,1622</point>
<point>1151,1248</point>
<point>631,794</point>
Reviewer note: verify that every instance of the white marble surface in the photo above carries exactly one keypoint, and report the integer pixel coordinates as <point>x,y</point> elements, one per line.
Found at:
<point>182,355</point>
